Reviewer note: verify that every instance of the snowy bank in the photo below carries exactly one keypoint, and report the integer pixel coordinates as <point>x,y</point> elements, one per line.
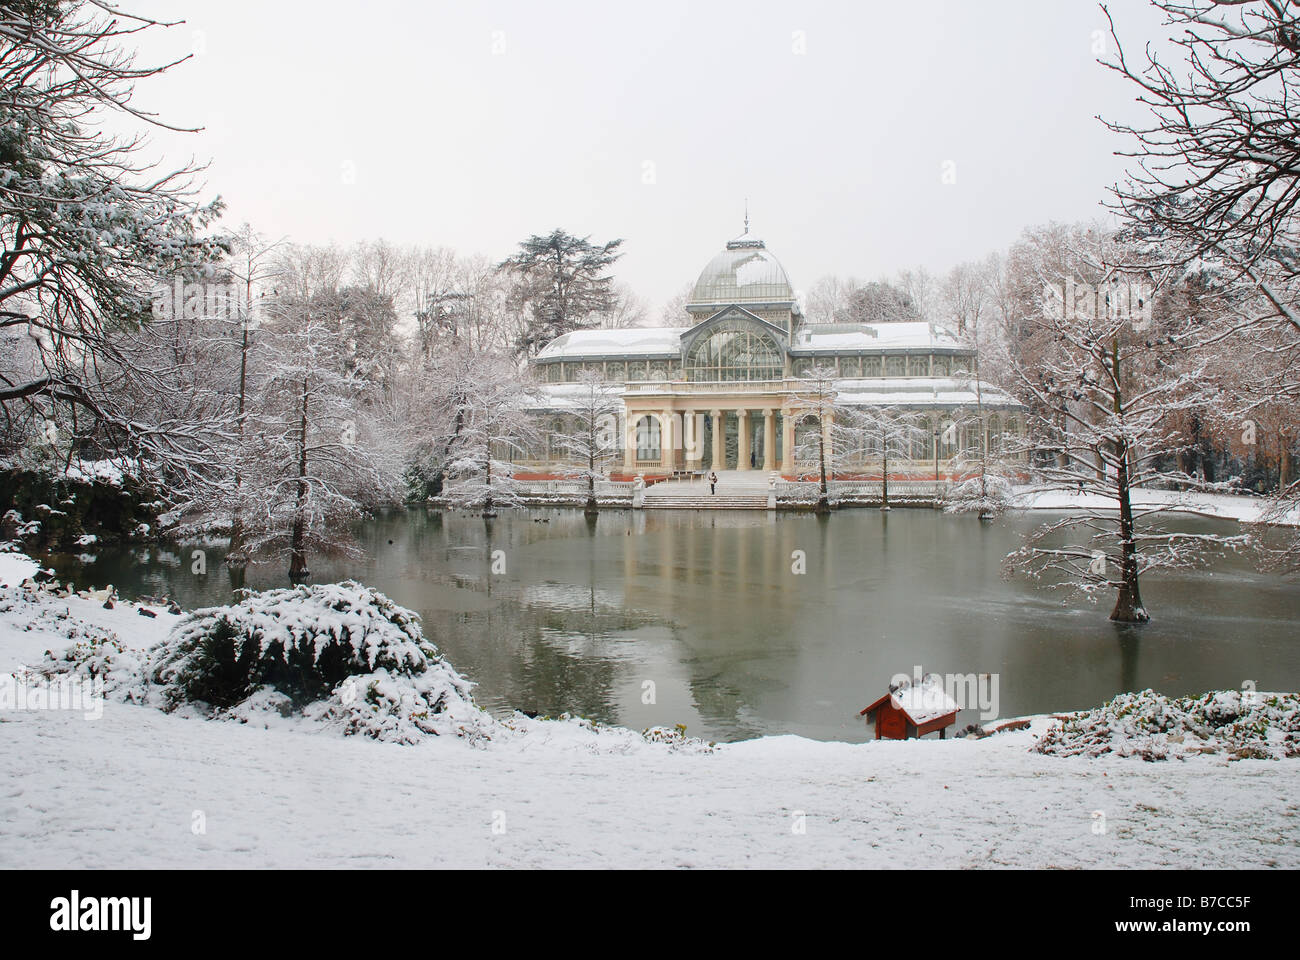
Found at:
<point>1222,505</point>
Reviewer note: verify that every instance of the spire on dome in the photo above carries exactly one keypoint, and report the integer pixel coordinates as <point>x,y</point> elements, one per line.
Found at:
<point>745,241</point>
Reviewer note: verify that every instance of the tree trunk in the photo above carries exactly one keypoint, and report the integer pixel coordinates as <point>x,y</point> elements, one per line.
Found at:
<point>236,555</point>
<point>298,536</point>
<point>884,482</point>
<point>487,474</point>
<point>823,499</point>
<point>1128,605</point>
<point>591,471</point>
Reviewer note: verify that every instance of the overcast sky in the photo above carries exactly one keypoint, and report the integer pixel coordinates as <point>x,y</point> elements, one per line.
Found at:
<point>473,125</point>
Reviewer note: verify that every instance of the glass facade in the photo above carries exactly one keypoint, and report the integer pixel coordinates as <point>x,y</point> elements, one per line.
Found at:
<point>734,351</point>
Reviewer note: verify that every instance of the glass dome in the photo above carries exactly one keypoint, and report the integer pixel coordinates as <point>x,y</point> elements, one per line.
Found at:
<point>745,272</point>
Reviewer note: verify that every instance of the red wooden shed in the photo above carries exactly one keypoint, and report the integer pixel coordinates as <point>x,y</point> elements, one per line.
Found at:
<point>909,712</point>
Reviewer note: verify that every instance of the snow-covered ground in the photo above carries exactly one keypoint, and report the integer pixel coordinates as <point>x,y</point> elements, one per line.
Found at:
<point>141,788</point>
<point>1227,506</point>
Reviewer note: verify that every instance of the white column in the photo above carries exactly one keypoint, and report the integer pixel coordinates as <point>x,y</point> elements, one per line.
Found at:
<point>787,442</point>
<point>690,441</point>
<point>718,462</point>
<point>666,439</point>
<point>769,439</point>
<point>742,439</point>
<point>629,440</point>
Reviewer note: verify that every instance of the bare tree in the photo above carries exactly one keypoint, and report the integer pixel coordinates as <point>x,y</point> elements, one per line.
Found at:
<point>494,427</point>
<point>881,433</point>
<point>86,231</point>
<point>813,403</point>
<point>1106,396</point>
<point>1216,179</point>
<point>250,265</point>
<point>594,439</point>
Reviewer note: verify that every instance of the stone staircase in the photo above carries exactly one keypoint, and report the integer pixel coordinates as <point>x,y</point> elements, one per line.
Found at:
<point>737,490</point>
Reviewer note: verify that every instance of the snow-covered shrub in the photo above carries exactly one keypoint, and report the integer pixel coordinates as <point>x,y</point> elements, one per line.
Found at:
<point>302,642</point>
<point>989,497</point>
<point>676,739</point>
<point>404,708</point>
<point>1156,727</point>
<point>105,658</point>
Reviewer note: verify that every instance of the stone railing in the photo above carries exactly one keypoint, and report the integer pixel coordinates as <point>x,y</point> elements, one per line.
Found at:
<point>605,489</point>
<point>860,491</point>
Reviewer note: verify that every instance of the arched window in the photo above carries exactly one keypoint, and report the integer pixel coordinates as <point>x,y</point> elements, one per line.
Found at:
<point>647,439</point>
<point>995,434</point>
<point>923,444</point>
<point>949,438</point>
<point>734,350</point>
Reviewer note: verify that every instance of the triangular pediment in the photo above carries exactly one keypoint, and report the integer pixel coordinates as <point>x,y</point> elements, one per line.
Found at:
<point>729,313</point>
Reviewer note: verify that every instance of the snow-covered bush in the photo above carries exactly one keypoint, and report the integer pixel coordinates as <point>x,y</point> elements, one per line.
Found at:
<point>346,651</point>
<point>988,497</point>
<point>104,658</point>
<point>402,708</point>
<point>1156,727</point>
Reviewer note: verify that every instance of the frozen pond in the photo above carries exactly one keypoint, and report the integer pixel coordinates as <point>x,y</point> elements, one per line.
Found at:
<point>707,608</point>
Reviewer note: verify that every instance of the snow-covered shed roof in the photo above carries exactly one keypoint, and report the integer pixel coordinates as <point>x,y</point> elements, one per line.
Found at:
<point>922,703</point>
<point>626,342</point>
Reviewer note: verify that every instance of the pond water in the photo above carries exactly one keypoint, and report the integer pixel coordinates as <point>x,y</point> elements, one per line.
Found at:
<point>706,606</point>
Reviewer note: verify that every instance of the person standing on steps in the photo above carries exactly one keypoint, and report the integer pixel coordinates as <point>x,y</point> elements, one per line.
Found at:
<point>713,483</point>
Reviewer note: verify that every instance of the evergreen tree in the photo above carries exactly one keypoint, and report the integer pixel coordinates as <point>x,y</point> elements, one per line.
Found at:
<point>563,286</point>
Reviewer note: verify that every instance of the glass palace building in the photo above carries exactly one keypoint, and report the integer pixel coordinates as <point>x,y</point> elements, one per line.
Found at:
<point>718,393</point>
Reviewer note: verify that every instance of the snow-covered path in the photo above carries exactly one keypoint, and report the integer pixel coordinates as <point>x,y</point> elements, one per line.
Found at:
<point>123,791</point>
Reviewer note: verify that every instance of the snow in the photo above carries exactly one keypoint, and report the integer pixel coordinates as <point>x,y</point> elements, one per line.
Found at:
<point>754,270</point>
<point>111,472</point>
<point>871,336</point>
<point>140,787</point>
<point>630,341</point>
<point>924,702</point>
<point>666,341</point>
<point>1228,506</point>
<point>919,392</point>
